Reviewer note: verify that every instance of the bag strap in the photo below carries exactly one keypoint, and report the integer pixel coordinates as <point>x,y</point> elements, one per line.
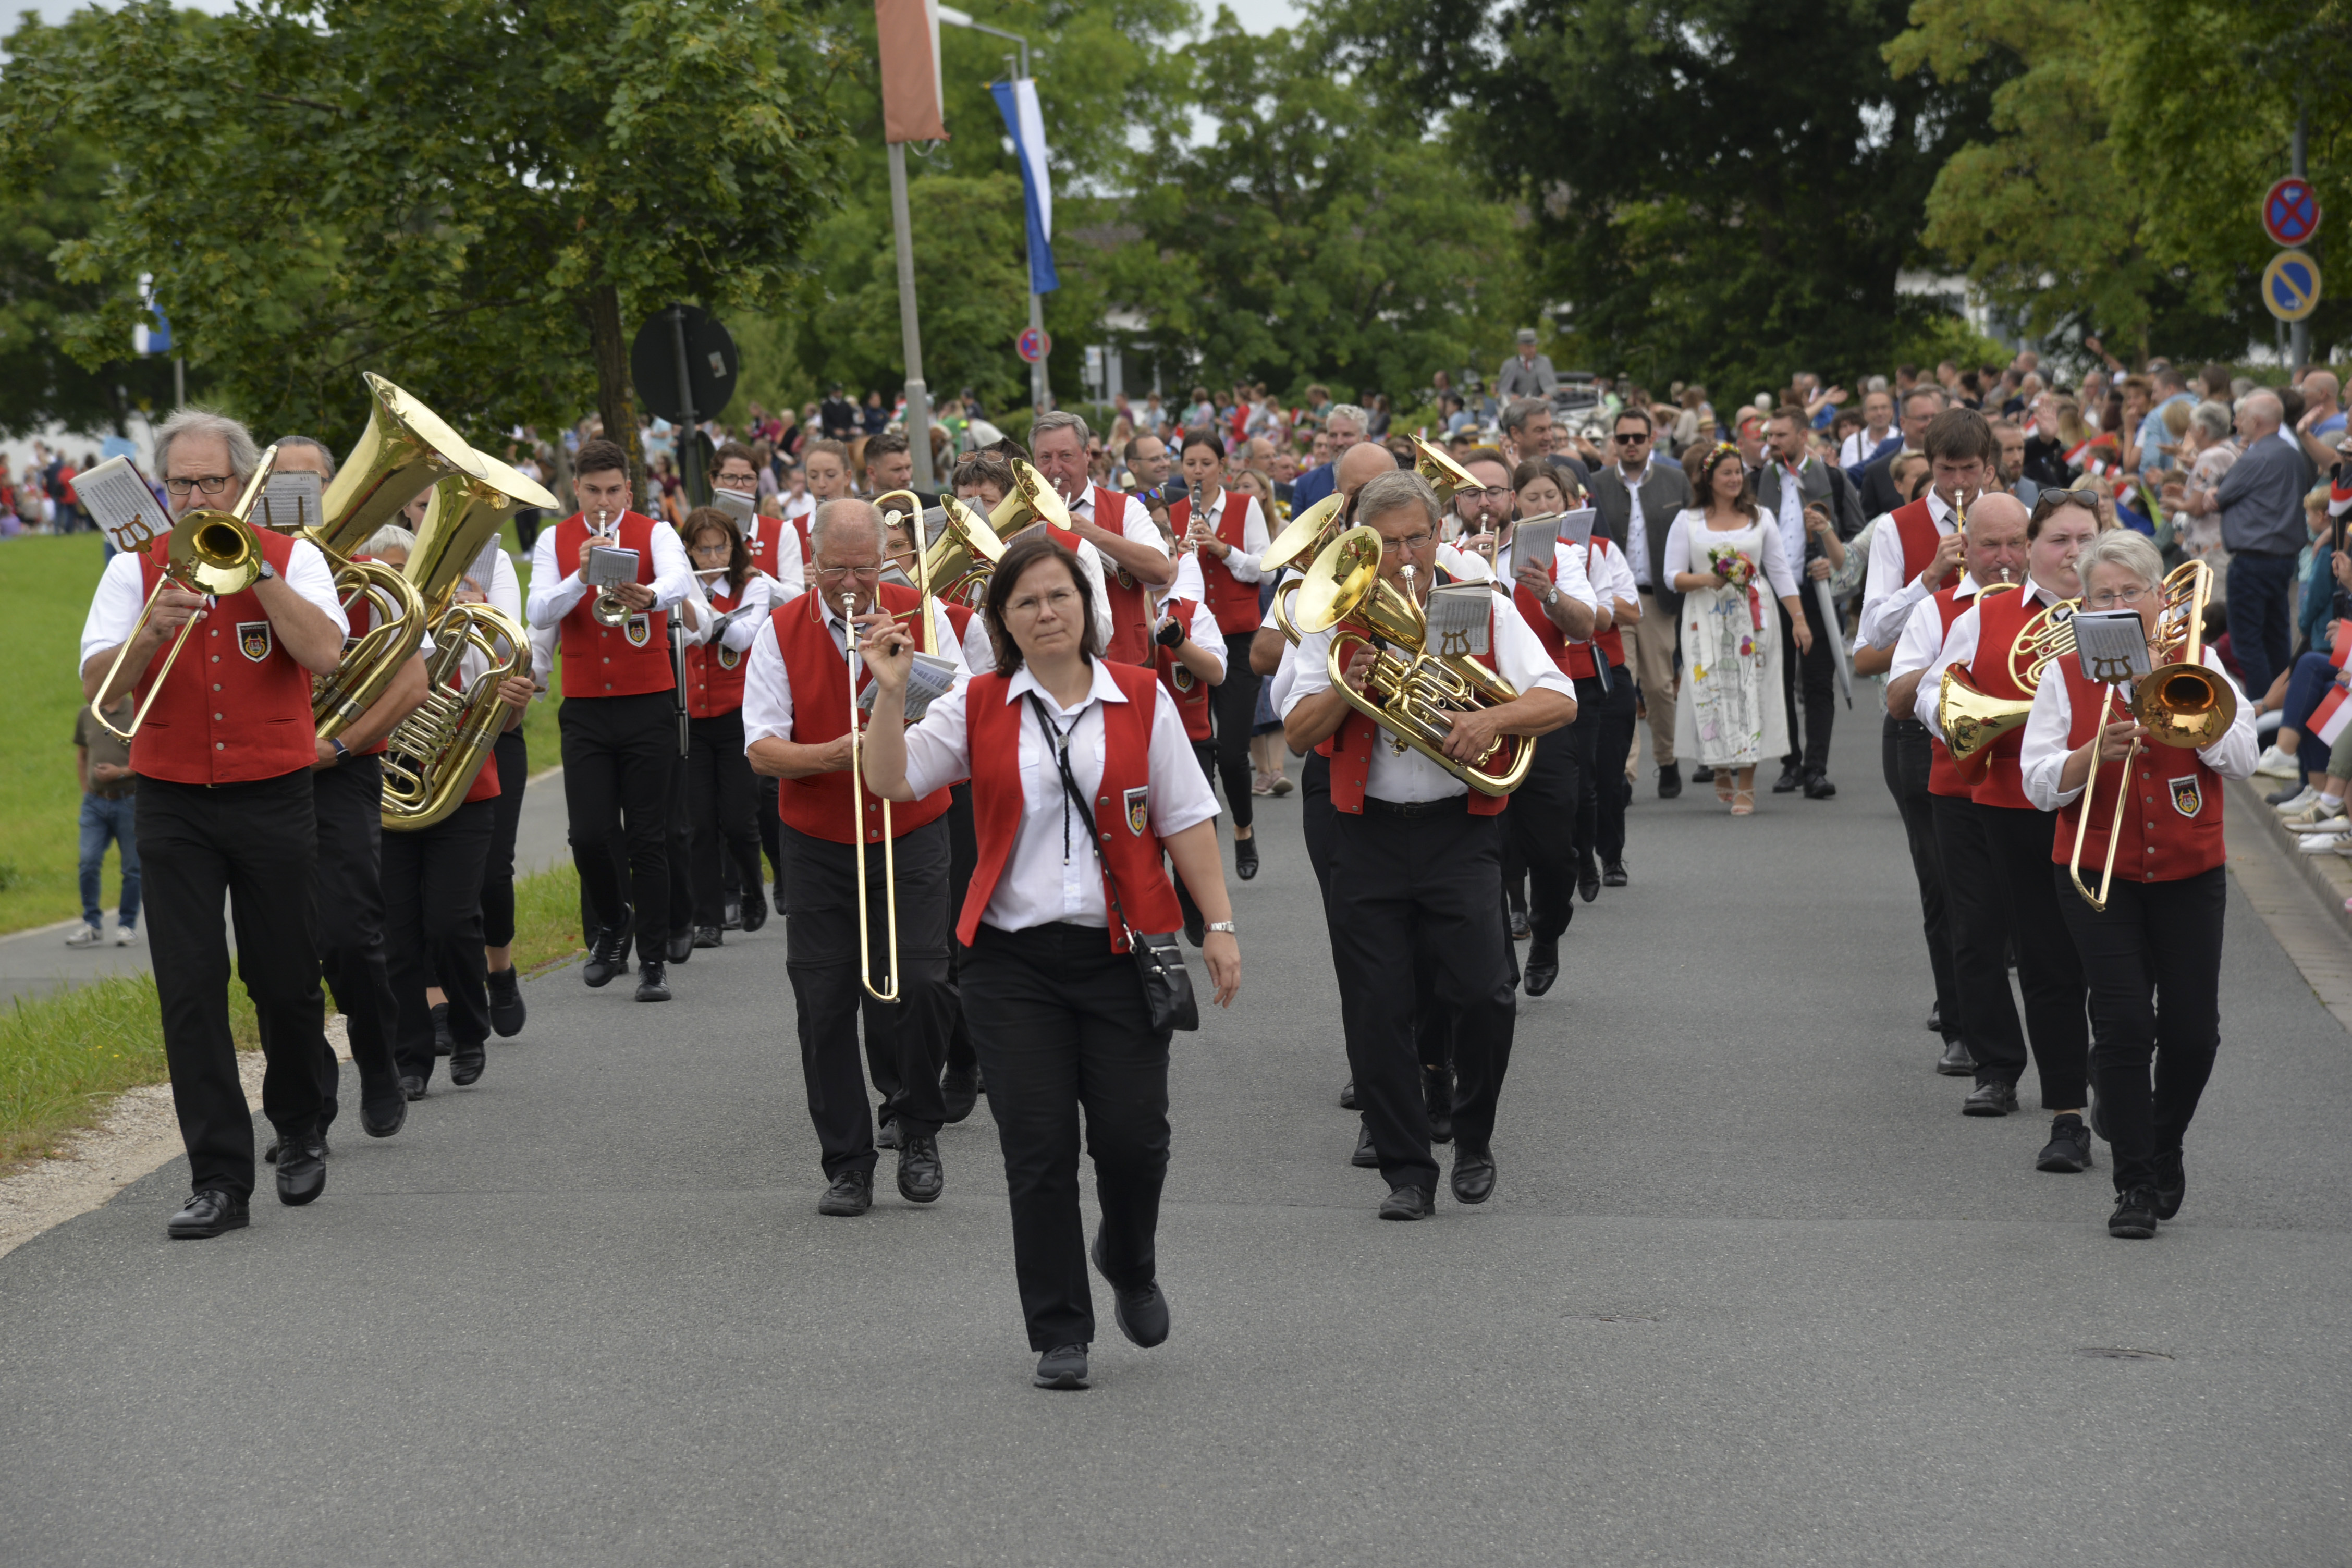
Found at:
<point>1058,741</point>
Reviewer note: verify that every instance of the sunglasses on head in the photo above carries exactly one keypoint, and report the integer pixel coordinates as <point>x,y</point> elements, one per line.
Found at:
<point>2049,502</point>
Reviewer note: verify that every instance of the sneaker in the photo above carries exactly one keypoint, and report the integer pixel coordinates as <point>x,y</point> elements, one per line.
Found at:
<point>1260,784</point>
<point>1282,785</point>
<point>2069,1148</point>
<point>124,936</point>
<point>2291,801</point>
<point>2325,842</point>
<point>87,936</point>
<point>2275,763</point>
<point>2314,814</point>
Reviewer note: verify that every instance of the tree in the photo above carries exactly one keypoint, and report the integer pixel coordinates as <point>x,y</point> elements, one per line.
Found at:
<point>1725,189</point>
<point>474,197</point>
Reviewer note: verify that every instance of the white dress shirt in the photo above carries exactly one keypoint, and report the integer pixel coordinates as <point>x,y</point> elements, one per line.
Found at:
<point>1243,560</point>
<point>1611,575</point>
<point>1637,527</point>
<point>790,571</point>
<point>554,591</point>
<point>1887,594</point>
<point>122,593</point>
<point>1134,522</point>
<point>505,588</point>
<point>1923,637</point>
<point>1858,446</point>
<point>1518,658</point>
<point>1692,522</point>
<point>1201,627</point>
<point>768,685</point>
<point>1792,511</point>
<point>2044,756</point>
<point>1960,648</point>
<point>1285,674</point>
<point>759,589</point>
<point>1052,873</point>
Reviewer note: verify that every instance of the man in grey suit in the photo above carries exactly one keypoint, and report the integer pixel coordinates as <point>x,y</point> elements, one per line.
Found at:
<point>1637,497</point>
<point>1526,374</point>
<point>1817,510</point>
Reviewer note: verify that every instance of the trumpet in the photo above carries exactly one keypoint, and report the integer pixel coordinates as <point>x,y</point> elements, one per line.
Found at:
<point>211,552</point>
<point>1410,693</point>
<point>608,609</point>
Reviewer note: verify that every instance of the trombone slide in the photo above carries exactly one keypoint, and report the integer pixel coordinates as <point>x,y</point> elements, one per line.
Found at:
<point>857,828</point>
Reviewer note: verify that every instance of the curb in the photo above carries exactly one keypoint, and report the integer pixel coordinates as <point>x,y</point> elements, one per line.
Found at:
<point>2329,877</point>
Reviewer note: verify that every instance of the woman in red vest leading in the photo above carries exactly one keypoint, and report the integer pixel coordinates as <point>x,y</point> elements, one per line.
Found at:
<point>1082,779</point>
<point>1226,543</point>
<point>2153,957</point>
<point>224,765</point>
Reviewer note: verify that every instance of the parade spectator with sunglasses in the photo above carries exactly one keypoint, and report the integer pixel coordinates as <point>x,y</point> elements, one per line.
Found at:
<point>1637,499</point>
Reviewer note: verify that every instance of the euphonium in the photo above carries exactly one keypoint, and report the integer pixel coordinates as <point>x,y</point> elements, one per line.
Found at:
<point>1444,475</point>
<point>1306,535</point>
<point>1032,500</point>
<point>959,562</point>
<point>1410,693</point>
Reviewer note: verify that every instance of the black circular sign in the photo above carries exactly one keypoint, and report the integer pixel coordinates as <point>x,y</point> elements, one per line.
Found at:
<point>711,363</point>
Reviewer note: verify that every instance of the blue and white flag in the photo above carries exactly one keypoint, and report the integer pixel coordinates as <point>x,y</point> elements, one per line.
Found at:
<point>1017,102</point>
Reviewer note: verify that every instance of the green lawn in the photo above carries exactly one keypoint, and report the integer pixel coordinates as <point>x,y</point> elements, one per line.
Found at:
<point>47,584</point>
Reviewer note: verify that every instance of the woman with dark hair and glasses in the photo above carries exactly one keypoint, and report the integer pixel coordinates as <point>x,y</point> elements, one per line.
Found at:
<point>1081,780</point>
<point>721,793</point>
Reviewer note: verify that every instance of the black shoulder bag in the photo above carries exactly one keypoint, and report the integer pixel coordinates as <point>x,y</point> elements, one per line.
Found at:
<point>1158,961</point>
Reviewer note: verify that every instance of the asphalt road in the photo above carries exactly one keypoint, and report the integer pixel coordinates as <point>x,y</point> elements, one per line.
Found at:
<point>1752,1290</point>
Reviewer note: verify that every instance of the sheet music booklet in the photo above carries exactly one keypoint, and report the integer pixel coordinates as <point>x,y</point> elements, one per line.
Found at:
<point>737,505</point>
<point>930,678</point>
<point>114,494</point>
<point>2111,645</point>
<point>1460,619</point>
<point>1535,539</point>
<point>289,502</point>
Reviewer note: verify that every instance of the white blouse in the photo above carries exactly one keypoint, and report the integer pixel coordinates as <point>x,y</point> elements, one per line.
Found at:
<point>2044,756</point>
<point>1692,520</point>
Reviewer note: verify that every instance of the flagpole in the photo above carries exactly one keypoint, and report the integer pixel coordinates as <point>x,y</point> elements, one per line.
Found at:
<point>918,400</point>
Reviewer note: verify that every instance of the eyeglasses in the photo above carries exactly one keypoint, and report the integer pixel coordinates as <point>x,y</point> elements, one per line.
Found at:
<point>863,573</point>
<point>1492,492</point>
<point>211,487</point>
<point>1411,544</point>
<point>2121,596</point>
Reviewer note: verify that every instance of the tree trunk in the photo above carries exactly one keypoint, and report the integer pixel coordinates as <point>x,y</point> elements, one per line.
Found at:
<point>615,404</point>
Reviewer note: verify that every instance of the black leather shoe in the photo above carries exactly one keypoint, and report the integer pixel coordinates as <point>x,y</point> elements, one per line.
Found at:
<point>1957,1060</point>
<point>1935,1017</point>
<point>730,915</point>
<point>1588,881</point>
<point>1474,1175</point>
<point>609,955</point>
<point>317,1147</point>
<point>508,1012</point>
<point>921,1177</point>
<point>2171,1185</point>
<point>1142,1313</point>
<point>1245,858</point>
<point>466,1063</point>
<point>1437,1095</point>
<point>1543,965</point>
<point>1612,875</point>
<point>958,1091</point>
<point>1818,787</point>
<point>207,1214</point>
<point>1520,930</point>
<point>1408,1203</point>
<point>301,1169</point>
<point>1994,1099</point>
<point>1702,775</point>
<point>1348,1095</point>
<point>443,1044</point>
<point>382,1120</point>
<point>1670,780</point>
<point>2069,1148</point>
<point>851,1194</point>
<point>1365,1158</point>
<point>708,936</point>
<point>653,980</point>
<point>680,946</point>
<point>755,909</point>
<point>886,1135</point>
<point>1063,1368</point>
<point>2135,1217</point>
<point>1789,782</point>
<point>412,1088</point>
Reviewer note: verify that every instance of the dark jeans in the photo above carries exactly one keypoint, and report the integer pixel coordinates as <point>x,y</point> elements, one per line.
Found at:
<point>2261,616</point>
<point>432,917</point>
<point>498,867</point>
<point>1232,711</point>
<point>2048,970</point>
<point>2154,963</point>
<point>905,1041</point>
<point>1060,1023</point>
<point>1904,757</point>
<point>1815,671</point>
<point>620,761</point>
<point>719,794</point>
<point>1604,722</point>
<point>254,845</point>
<point>115,820</point>
<point>2306,687</point>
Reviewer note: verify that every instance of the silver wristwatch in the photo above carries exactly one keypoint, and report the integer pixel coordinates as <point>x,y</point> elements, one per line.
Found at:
<point>1225,926</point>
<point>267,571</point>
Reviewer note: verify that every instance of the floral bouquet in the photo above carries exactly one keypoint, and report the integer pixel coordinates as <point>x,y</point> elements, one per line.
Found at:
<point>1739,572</point>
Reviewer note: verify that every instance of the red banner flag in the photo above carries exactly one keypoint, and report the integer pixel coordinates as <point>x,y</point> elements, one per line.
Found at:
<point>913,107</point>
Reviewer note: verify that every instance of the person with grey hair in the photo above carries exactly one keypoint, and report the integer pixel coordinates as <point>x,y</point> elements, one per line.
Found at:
<point>1416,868</point>
<point>2260,502</point>
<point>1131,557</point>
<point>2152,954</point>
<point>225,814</point>
<point>1526,374</point>
<point>1344,423</point>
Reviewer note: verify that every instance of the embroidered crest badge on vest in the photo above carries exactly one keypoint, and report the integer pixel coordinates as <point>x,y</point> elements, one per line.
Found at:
<point>639,630</point>
<point>1138,809</point>
<point>2188,799</point>
<point>253,639</point>
<point>728,658</point>
<point>1183,678</point>
<point>1124,580</point>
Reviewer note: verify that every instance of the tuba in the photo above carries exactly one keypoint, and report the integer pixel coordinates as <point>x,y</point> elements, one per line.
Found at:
<point>1411,692</point>
<point>431,756</point>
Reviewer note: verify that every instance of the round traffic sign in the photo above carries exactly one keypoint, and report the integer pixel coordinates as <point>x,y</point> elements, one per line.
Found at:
<point>2291,211</point>
<point>2291,285</point>
<point>684,337</point>
<point>1032,344</point>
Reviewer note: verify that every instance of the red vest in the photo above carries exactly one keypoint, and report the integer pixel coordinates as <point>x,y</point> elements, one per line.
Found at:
<point>2172,827</point>
<point>1231,600</point>
<point>1191,692</point>
<point>1131,859</point>
<point>1351,750</point>
<point>486,782</point>
<point>959,619</point>
<point>1531,610</point>
<point>2000,619</point>
<point>1130,602</point>
<point>236,707</point>
<point>1944,775</point>
<point>613,661</point>
<point>819,805</point>
<point>361,613</point>
<point>763,540</point>
<point>808,551</point>
<point>1915,526</point>
<point>1611,642</point>
<point>714,672</point>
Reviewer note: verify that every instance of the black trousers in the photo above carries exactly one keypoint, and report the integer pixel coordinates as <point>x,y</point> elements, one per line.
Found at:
<point>678,851</point>
<point>1541,827</point>
<point>257,846</point>
<point>1816,670</point>
<point>1317,818</point>
<point>720,796</point>
<point>963,859</point>
<point>1409,886</point>
<point>907,1040</point>
<point>2048,970</point>
<point>1904,757</point>
<point>1976,910</point>
<point>771,820</point>
<point>498,867</point>
<point>1060,1023</point>
<point>2154,963</point>
<point>1205,754</point>
<point>620,765</point>
<point>432,890</point>
<point>1233,714</point>
<point>348,926</point>
<point>1604,723</point>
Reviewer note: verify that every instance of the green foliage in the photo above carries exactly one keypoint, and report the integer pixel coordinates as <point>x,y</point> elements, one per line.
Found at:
<point>47,584</point>
<point>64,1056</point>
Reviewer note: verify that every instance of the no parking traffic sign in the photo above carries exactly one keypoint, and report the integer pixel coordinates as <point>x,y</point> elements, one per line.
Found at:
<point>2291,211</point>
<point>2291,285</point>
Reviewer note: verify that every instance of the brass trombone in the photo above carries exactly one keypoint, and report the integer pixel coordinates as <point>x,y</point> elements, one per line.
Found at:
<point>211,552</point>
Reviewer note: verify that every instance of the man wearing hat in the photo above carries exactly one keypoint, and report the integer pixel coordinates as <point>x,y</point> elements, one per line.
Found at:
<point>1526,374</point>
